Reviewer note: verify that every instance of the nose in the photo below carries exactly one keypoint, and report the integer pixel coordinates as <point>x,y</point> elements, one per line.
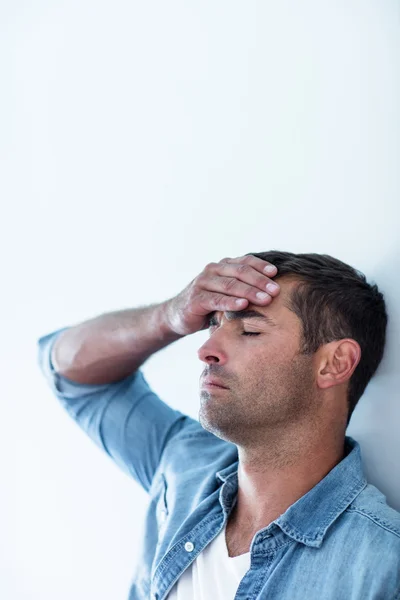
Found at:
<point>211,352</point>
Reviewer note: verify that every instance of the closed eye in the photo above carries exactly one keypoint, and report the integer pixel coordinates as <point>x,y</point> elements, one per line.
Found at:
<point>243,333</point>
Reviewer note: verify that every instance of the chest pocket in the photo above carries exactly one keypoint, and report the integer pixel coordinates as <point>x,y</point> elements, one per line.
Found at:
<point>161,506</point>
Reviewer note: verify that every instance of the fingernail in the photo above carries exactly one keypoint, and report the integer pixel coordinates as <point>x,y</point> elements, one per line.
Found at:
<point>271,287</point>
<point>262,295</point>
<point>270,269</point>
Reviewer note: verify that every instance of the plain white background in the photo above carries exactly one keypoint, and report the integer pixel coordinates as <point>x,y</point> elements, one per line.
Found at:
<point>138,142</point>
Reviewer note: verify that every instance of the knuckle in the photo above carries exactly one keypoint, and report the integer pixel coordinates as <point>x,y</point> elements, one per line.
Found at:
<point>229,283</point>
<point>198,282</point>
<point>243,268</point>
<point>226,259</point>
<point>248,259</point>
<point>210,266</point>
<point>218,301</point>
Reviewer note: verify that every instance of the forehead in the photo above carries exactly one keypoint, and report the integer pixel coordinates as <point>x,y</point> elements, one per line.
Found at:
<point>277,312</point>
<point>279,309</point>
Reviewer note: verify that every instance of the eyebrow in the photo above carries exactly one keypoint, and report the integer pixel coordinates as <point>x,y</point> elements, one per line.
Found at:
<point>237,315</point>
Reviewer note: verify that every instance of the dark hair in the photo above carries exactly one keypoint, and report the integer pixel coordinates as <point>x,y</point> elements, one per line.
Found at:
<point>334,301</point>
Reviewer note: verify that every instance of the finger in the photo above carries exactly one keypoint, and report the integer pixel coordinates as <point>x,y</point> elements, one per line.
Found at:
<point>210,302</point>
<point>254,261</point>
<point>231,286</point>
<point>247,274</point>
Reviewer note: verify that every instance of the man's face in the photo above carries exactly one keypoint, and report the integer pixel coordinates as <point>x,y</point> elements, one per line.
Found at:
<point>270,385</point>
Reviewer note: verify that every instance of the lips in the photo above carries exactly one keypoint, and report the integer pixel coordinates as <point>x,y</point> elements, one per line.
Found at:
<point>215,382</point>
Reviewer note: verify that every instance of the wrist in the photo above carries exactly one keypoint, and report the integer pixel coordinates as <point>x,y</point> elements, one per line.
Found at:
<point>165,320</point>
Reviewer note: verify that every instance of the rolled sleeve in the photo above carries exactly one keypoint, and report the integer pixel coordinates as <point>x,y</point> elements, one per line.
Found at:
<point>126,418</point>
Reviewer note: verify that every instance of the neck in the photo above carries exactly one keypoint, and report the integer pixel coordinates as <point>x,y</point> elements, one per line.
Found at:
<point>273,476</point>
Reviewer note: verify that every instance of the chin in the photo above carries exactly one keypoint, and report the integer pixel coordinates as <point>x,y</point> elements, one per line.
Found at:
<point>219,424</point>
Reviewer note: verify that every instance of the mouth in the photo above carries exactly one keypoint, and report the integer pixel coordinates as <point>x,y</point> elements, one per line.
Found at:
<point>213,384</point>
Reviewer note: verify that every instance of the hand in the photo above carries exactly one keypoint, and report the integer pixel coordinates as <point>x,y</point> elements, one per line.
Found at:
<point>218,288</point>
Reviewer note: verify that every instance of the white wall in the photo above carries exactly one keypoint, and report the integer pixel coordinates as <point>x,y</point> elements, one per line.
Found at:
<point>140,141</point>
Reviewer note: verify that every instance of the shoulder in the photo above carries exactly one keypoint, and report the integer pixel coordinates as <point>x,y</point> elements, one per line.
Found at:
<point>371,509</point>
<point>371,535</point>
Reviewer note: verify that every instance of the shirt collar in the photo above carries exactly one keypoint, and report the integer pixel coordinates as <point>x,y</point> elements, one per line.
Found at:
<point>308,519</point>
<point>223,474</point>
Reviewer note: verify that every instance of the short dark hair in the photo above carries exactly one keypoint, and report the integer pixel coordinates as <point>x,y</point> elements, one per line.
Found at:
<point>334,301</point>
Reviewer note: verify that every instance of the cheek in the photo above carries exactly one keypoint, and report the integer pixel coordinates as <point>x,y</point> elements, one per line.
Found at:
<point>266,364</point>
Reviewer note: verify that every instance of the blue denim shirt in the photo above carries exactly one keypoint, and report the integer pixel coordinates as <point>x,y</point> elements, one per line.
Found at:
<point>340,541</point>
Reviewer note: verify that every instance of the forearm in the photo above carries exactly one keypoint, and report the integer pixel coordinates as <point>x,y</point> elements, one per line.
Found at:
<point>113,345</point>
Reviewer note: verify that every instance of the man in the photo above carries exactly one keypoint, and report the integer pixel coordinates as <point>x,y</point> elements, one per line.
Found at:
<point>265,497</point>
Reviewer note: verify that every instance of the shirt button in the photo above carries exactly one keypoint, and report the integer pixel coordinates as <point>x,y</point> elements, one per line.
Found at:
<point>268,535</point>
<point>189,546</point>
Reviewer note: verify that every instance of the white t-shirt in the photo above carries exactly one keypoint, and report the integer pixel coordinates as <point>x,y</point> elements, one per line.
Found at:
<point>214,574</point>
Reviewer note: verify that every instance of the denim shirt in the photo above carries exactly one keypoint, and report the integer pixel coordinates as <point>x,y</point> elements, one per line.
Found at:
<point>340,541</point>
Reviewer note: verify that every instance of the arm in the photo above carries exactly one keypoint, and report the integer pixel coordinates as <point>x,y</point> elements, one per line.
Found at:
<point>111,346</point>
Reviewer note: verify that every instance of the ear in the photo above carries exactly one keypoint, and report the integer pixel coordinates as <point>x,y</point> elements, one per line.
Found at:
<point>338,362</point>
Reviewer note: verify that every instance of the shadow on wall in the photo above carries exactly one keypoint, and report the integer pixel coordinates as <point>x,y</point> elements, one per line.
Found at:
<point>376,420</point>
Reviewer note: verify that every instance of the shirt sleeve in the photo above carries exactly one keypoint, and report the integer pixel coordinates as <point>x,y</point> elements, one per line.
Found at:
<point>126,418</point>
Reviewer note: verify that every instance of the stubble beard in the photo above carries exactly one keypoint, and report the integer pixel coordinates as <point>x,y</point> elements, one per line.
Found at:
<point>264,407</point>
